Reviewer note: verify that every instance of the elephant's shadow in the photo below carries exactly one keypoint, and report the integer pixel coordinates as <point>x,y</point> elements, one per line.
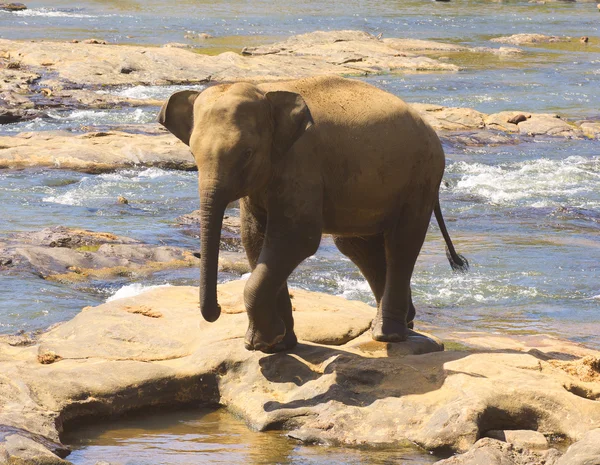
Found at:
<point>352,379</point>
<point>357,380</point>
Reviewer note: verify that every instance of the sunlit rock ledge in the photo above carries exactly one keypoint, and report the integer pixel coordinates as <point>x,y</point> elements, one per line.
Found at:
<point>97,152</point>
<point>67,64</point>
<point>338,387</point>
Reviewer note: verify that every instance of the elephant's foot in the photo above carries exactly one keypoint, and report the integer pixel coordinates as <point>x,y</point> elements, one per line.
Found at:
<point>267,340</point>
<point>386,329</point>
<point>288,342</point>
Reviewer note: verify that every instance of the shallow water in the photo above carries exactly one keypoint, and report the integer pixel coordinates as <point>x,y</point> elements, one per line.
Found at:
<point>527,216</point>
<point>203,436</point>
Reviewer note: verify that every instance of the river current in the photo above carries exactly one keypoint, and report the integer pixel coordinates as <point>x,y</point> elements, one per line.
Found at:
<point>526,215</point>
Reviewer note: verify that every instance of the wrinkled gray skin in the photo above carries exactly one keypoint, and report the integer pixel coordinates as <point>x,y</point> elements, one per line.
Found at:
<point>307,157</point>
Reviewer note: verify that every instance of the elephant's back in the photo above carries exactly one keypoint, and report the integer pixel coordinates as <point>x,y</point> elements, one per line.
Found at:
<point>374,152</point>
<point>333,99</point>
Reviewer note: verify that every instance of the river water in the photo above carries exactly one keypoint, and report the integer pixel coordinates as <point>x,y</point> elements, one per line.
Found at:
<point>526,215</point>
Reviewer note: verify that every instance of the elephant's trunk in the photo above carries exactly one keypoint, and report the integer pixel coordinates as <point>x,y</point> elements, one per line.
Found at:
<point>212,209</point>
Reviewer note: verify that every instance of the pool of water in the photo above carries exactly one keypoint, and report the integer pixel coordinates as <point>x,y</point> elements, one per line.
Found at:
<point>206,436</point>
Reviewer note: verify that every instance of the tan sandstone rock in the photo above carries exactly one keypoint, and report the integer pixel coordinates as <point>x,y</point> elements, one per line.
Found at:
<point>591,129</point>
<point>489,451</point>
<point>155,349</point>
<point>93,152</point>
<point>318,53</point>
<point>548,125</point>
<point>584,452</point>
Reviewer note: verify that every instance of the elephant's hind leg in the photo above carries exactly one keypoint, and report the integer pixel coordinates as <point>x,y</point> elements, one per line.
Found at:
<point>368,254</point>
<point>402,246</point>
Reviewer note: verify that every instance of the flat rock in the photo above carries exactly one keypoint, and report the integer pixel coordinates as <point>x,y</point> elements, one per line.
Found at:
<point>155,349</point>
<point>430,46</point>
<point>526,39</point>
<point>94,152</point>
<point>318,53</point>
<point>72,255</point>
<point>523,438</point>
<point>321,320</point>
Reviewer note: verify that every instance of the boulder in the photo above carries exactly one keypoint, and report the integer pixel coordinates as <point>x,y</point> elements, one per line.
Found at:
<point>506,120</point>
<point>12,6</point>
<point>155,349</point>
<point>548,125</point>
<point>590,129</point>
<point>584,452</point>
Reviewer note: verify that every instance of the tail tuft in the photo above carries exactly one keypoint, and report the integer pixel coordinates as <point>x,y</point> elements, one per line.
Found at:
<point>457,262</point>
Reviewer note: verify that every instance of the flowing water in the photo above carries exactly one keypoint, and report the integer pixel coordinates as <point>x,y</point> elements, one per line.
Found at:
<point>526,215</point>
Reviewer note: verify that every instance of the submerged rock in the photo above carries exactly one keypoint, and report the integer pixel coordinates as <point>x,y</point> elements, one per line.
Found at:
<point>525,39</point>
<point>155,349</point>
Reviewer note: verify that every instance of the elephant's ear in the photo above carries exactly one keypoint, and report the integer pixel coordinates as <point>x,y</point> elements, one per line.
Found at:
<point>291,118</point>
<point>177,114</point>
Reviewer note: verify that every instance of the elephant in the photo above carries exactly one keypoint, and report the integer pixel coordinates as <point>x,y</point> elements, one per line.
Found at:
<point>307,157</point>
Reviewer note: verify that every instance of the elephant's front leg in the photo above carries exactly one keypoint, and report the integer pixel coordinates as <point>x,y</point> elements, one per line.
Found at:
<point>266,290</point>
<point>254,226</point>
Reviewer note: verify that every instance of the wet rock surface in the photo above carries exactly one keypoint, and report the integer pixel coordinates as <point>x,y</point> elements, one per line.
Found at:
<point>526,39</point>
<point>155,349</point>
<point>70,255</point>
<point>230,232</point>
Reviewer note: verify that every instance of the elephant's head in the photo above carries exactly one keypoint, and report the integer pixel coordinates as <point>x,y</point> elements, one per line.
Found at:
<point>237,134</point>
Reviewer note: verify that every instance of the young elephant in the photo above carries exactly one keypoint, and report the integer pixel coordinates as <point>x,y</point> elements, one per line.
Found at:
<point>307,157</point>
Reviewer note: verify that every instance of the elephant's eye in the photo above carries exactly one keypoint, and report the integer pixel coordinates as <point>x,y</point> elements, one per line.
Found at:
<point>248,153</point>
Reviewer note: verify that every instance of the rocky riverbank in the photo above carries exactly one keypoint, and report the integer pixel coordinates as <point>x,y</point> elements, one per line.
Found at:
<point>96,152</point>
<point>336,387</point>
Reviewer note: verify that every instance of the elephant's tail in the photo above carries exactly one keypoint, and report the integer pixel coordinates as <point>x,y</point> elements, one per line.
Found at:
<point>457,261</point>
